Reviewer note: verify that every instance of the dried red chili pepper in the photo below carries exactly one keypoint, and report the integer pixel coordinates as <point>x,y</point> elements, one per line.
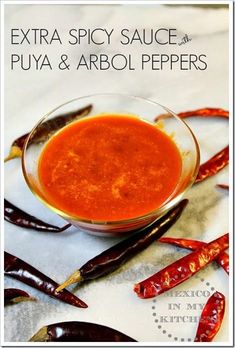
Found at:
<point>182,269</point>
<point>204,112</point>
<point>222,259</point>
<point>20,270</point>
<point>110,259</point>
<point>211,318</point>
<point>45,129</point>
<point>223,186</point>
<point>13,295</point>
<point>18,217</point>
<point>79,331</point>
<point>213,165</point>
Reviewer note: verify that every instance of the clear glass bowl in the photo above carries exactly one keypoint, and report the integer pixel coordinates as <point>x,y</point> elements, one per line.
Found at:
<point>116,104</point>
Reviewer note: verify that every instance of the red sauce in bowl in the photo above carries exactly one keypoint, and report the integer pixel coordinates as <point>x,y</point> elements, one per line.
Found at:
<point>109,168</point>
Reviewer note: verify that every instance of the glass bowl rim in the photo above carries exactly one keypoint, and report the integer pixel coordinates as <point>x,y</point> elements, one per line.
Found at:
<point>169,204</point>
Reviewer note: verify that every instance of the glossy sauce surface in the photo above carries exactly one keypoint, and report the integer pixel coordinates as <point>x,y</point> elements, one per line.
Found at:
<point>108,168</point>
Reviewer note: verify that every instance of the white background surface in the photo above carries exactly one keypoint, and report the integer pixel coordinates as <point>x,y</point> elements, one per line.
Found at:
<point>31,94</point>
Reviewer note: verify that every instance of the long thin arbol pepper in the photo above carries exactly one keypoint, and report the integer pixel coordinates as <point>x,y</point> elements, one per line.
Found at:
<point>12,295</point>
<point>79,331</point>
<point>45,129</point>
<point>211,318</point>
<point>213,165</point>
<point>204,112</point>
<point>112,258</point>
<point>18,217</point>
<point>182,269</point>
<point>222,259</point>
<point>21,270</point>
<point>223,186</point>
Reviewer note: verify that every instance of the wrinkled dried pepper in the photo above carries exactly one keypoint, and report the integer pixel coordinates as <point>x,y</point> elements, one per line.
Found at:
<point>12,295</point>
<point>18,217</point>
<point>223,186</point>
<point>79,331</point>
<point>182,269</point>
<point>222,259</point>
<point>211,318</point>
<point>45,129</point>
<point>21,270</point>
<point>213,165</point>
<point>204,112</point>
<point>112,258</point>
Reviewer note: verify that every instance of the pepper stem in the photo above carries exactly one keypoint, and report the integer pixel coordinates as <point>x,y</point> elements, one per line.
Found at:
<point>22,299</point>
<point>15,151</point>
<point>65,227</point>
<point>162,117</point>
<point>40,336</point>
<point>74,278</point>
